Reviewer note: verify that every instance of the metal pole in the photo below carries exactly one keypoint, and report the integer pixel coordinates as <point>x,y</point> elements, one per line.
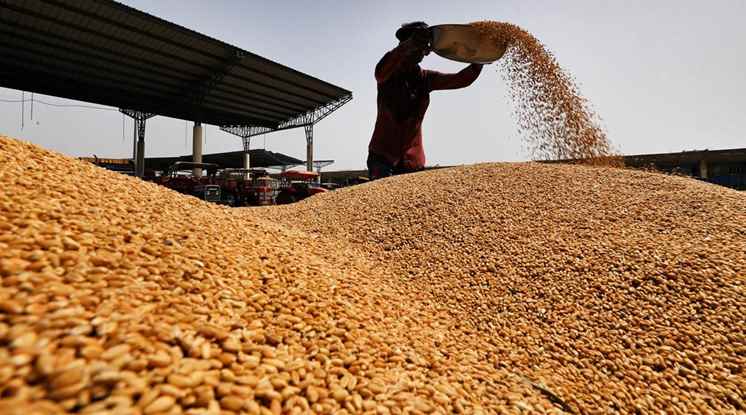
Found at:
<point>138,138</point>
<point>247,154</point>
<point>703,173</point>
<point>197,147</point>
<point>134,144</point>
<point>309,146</point>
<point>140,124</point>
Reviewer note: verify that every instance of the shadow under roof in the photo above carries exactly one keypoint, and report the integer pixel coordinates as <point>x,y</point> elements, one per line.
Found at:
<point>108,53</point>
<point>260,158</point>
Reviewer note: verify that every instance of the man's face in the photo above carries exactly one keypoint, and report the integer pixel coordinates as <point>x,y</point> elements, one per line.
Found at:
<point>416,55</point>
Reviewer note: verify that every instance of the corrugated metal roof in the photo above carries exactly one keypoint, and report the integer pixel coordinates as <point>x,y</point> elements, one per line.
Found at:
<point>108,53</point>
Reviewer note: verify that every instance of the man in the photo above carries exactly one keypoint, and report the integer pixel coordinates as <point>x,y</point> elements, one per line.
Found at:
<point>403,97</point>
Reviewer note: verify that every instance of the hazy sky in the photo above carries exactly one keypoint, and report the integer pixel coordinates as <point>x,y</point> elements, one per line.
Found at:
<point>663,75</point>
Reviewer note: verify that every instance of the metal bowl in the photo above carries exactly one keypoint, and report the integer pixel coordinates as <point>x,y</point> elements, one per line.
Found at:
<point>464,43</point>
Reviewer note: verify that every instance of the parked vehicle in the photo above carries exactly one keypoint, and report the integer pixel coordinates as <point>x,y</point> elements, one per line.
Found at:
<point>298,185</point>
<point>247,187</point>
<point>180,177</point>
<point>240,187</point>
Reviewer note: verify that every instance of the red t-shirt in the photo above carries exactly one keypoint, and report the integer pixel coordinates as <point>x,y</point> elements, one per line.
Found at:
<point>403,98</point>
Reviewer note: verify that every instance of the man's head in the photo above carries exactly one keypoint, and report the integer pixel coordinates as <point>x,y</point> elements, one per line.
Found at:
<point>417,36</point>
<point>408,29</point>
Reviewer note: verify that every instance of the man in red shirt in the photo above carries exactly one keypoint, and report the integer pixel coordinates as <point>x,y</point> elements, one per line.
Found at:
<point>403,97</point>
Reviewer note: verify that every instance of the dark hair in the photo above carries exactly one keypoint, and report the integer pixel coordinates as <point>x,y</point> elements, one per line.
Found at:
<point>406,30</point>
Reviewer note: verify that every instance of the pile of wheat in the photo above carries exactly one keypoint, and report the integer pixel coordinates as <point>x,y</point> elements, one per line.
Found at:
<point>616,290</point>
<point>500,287</point>
<point>120,296</point>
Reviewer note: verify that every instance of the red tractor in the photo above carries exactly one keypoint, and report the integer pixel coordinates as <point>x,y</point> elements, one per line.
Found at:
<point>179,177</point>
<point>247,187</point>
<point>264,190</point>
<point>233,185</point>
<point>298,185</point>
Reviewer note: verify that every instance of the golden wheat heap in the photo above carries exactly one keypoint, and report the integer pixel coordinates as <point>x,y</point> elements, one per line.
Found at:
<point>485,289</point>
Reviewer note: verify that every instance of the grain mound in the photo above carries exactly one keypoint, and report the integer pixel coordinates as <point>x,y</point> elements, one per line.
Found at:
<point>120,296</point>
<point>487,289</point>
<point>554,119</point>
<point>619,290</point>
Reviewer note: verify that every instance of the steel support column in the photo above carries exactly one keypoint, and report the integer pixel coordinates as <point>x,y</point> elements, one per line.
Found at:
<point>197,147</point>
<point>305,120</point>
<point>703,173</point>
<point>140,157</point>
<point>139,140</point>
<point>246,154</point>
<point>309,146</point>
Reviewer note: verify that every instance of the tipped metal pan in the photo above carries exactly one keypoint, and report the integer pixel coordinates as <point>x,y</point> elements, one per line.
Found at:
<point>464,43</point>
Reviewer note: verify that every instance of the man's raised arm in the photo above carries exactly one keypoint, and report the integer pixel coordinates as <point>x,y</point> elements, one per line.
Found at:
<point>461,79</point>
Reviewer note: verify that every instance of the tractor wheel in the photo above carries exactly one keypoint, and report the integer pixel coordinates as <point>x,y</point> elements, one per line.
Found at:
<point>285,198</point>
